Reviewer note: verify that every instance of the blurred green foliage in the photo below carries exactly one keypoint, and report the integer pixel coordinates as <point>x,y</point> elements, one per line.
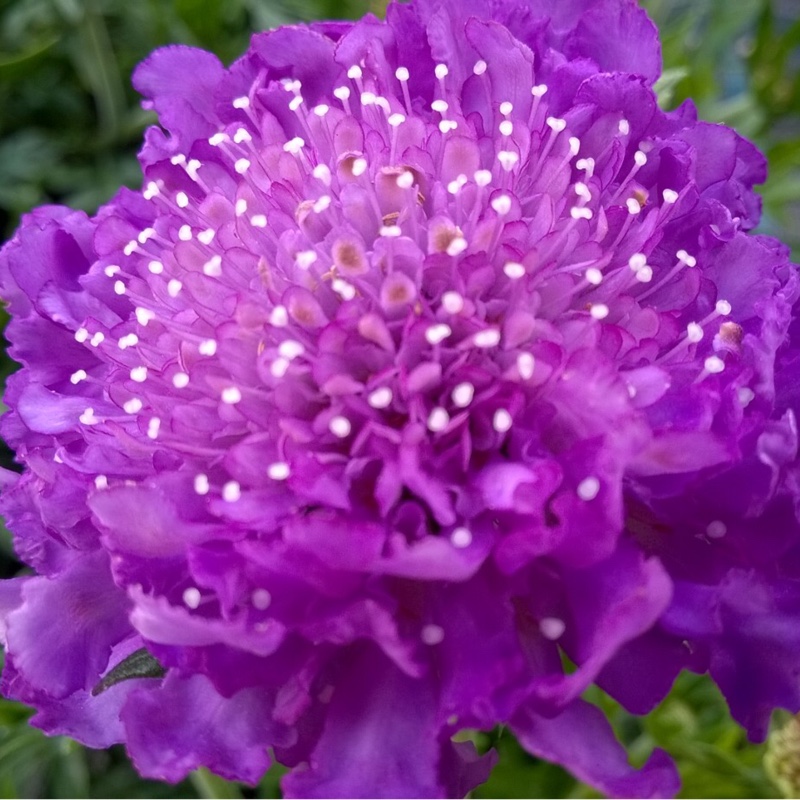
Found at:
<point>70,125</point>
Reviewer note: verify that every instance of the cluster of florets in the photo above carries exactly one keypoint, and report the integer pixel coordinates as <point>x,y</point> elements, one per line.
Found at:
<point>431,350</point>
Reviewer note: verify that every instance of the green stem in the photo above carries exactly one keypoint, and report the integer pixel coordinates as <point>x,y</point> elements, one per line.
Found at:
<point>211,786</point>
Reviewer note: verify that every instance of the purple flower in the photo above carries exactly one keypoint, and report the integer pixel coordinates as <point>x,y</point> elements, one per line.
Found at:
<point>431,350</point>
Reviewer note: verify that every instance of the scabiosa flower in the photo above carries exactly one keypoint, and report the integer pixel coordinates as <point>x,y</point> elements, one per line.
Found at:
<point>430,351</point>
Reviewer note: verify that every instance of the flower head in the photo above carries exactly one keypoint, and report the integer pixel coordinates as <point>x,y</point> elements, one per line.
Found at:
<point>431,349</point>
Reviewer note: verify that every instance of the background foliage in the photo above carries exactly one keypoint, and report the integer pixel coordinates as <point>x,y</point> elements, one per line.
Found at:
<point>69,128</point>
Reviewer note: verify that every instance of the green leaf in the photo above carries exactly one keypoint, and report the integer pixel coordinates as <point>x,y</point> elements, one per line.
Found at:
<point>139,664</point>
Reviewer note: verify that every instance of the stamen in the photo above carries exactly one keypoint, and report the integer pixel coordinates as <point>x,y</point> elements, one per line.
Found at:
<point>231,492</point>
<point>438,419</point>
<point>340,426</point>
<point>432,635</point>
<point>461,537</point>
<point>231,395</point>
<point>462,394</point>
<point>278,471</point>
<point>588,488</point>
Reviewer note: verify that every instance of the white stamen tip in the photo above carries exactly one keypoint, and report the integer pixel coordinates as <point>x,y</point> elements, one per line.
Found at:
<point>258,221</point>
<point>483,177</point>
<point>588,488</point>
<point>514,270</point>
<point>185,233</point>
<point>294,146</point>
<point>552,628</point>
<point>156,267</point>
<point>182,199</point>
<point>278,471</point>
<point>437,333</point>
<point>594,276</point>
<point>231,395</point>
<point>405,180</point>
<point>670,196</point>
<point>279,317</point>
<point>213,267</point>
<point>526,364</point>
<point>201,485</point>
<point>401,73</point>
<point>129,340</point>
<point>241,165</point>
<point>290,349</point>
<point>231,491</point>
<point>78,376</point>
<point>633,205</point>
<point>461,537</point>
<point>438,419</point>
<point>153,427</point>
<point>380,398</point>
<point>180,380</point>
<point>714,365</point>
<point>746,396</point>
<point>174,287</point>
<point>637,261</point>
<point>132,406</point>
<point>694,332</point>
<point>502,420</point>
<point>261,599</point>
<point>432,634</point>
<point>144,315</point>
<point>441,71</point>
<point>207,347</point>
<point>452,302</point>
<point>241,102</point>
<point>502,204</point>
<point>305,259</point>
<point>599,311</point>
<point>88,417</point>
<point>462,394</point>
<point>457,246</point>
<point>480,67</point>
<point>138,374</point>
<point>487,338</point>
<point>639,158</point>
<point>192,597</point>
<point>340,427</point>
<point>723,308</point>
